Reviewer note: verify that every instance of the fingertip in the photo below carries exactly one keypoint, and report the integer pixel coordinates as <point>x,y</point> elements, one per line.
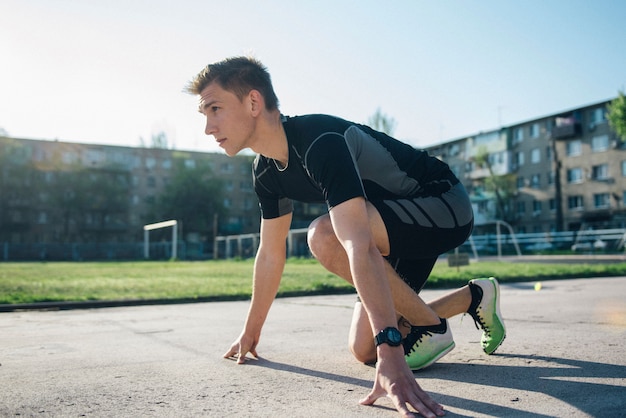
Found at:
<point>368,400</point>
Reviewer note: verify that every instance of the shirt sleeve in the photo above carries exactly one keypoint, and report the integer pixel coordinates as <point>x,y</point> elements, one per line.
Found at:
<point>271,204</point>
<point>333,167</point>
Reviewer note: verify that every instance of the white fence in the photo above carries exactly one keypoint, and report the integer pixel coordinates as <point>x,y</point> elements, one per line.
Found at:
<point>246,245</point>
<point>500,243</point>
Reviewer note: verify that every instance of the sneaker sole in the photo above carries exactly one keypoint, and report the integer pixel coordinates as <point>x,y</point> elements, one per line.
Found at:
<point>498,314</point>
<point>434,359</point>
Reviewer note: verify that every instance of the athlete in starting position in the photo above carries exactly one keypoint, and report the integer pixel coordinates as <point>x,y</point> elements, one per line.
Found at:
<point>392,210</point>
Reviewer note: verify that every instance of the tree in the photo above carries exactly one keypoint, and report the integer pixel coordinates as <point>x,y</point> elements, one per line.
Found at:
<point>501,186</point>
<point>382,122</point>
<point>617,116</point>
<point>158,140</point>
<point>91,205</point>
<point>193,196</point>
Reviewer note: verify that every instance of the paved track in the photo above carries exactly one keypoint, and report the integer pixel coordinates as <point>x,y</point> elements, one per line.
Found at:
<point>565,355</point>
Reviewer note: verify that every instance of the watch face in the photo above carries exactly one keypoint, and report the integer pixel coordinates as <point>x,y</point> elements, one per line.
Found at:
<point>393,336</point>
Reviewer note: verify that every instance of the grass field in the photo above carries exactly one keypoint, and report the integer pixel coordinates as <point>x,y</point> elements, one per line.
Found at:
<point>229,280</point>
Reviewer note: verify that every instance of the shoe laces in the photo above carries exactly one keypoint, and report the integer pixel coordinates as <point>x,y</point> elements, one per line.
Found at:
<point>414,337</point>
<point>474,310</point>
<point>479,322</point>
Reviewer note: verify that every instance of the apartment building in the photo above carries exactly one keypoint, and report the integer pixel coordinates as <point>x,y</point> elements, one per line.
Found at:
<point>560,172</point>
<point>35,200</point>
<point>568,172</point>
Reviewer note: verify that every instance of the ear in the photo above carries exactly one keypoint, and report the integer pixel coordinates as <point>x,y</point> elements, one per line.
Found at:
<point>256,102</point>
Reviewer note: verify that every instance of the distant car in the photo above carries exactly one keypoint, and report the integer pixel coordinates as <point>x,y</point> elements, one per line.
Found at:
<point>539,246</point>
<point>586,246</point>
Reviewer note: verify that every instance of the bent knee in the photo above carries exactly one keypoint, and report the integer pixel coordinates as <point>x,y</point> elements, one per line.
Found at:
<point>319,234</point>
<point>363,354</point>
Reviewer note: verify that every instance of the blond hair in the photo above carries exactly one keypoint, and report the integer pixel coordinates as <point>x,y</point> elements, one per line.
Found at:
<point>239,75</point>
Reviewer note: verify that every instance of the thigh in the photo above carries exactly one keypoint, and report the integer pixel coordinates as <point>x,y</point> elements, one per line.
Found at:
<point>426,226</point>
<point>414,272</point>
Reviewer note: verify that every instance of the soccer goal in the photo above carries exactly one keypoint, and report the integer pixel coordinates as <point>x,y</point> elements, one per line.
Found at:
<point>159,225</point>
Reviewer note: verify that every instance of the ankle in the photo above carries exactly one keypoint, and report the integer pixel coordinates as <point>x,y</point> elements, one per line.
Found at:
<point>477,295</point>
<point>442,325</point>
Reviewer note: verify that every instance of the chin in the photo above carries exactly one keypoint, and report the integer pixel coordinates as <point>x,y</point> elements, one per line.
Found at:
<point>231,152</point>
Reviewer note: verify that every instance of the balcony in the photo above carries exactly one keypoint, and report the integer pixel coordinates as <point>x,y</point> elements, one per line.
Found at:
<point>566,128</point>
<point>566,131</point>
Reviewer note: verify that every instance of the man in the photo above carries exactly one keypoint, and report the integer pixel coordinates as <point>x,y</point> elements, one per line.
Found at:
<point>392,210</point>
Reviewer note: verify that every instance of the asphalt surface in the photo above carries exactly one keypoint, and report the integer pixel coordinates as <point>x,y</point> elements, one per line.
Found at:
<point>564,355</point>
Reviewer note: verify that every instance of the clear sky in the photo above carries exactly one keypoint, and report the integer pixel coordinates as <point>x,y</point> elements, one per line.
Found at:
<point>113,71</point>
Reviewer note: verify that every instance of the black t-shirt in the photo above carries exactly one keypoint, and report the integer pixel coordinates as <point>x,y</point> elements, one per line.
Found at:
<point>332,160</point>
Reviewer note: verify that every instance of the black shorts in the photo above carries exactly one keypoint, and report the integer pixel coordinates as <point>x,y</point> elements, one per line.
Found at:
<point>422,228</point>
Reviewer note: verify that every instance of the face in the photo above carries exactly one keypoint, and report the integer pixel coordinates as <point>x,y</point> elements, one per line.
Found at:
<point>229,120</point>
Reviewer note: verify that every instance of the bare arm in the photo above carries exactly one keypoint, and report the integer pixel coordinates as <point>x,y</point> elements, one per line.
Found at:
<point>393,376</point>
<point>268,270</point>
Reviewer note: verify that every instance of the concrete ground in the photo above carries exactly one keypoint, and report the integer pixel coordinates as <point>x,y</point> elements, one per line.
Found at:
<point>564,355</point>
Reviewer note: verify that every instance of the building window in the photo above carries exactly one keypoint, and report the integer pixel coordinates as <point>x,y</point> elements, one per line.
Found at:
<point>535,181</point>
<point>573,148</point>
<point>597,115</point>
<point>600,172</point>
<point>519,158</point>
<point>536,207</point>
<point>151,181</point>
<point>150,163</point>
<point>534,130</point>
<point>518,135</point>
<point>601,200</point>
<point>189,163</point>
<point>226,168</point>
<point>69,158</point>
<point>600,143</point>
<point>245,186</point>
<point>520,182</point>
<point>575,175</point>
<point>552,205</point>
<point>166,164</point>
<point>551,178</point>
<point>521,208</point>
<point>549,154</point>
<point>228,185</point>
<point>575,203</point>
<point>535,155</point>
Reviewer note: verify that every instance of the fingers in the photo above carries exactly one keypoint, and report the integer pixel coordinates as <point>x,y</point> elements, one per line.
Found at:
<point>400,406</point>
<point>237,351</point>
<point>414,397</point>
<point>426,408</point>
<point>370,398</point>
<point>234,349</point>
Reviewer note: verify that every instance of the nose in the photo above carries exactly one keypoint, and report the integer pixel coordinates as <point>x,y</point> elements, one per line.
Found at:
<point>209,128</point>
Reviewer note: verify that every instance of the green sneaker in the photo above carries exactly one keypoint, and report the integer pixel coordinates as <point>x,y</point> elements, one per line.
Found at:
<point>425,345</point>
<point>485,309</point>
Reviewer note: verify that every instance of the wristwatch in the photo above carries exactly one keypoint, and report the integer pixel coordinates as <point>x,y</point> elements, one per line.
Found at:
<point>389,335</point>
